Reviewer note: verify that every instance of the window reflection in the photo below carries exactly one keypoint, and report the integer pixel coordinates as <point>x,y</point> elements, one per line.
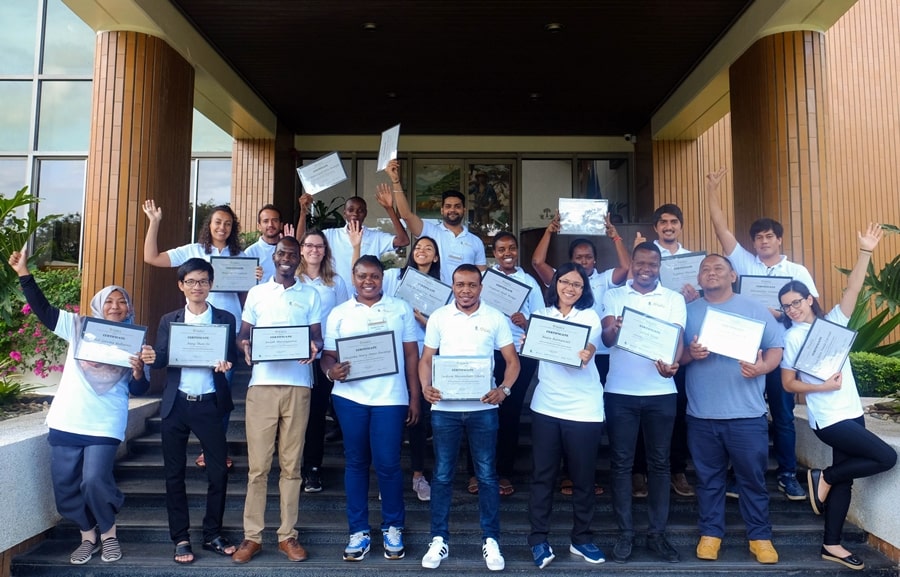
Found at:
<point>68,42</point>
<point>65,121</point>
<point>12,175</point>
<point>60,186</point>
<point>15,115</point>
<point>213,187</point>
<point>19,18</point>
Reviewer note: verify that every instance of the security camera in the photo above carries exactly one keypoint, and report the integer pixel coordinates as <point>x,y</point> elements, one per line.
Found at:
<point>631,138</point>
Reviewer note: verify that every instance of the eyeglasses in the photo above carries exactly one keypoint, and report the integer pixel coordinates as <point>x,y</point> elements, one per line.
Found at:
<point>313,246</point>
<point>191,283</point>
<point>575,285</point>
<point>793,304</point>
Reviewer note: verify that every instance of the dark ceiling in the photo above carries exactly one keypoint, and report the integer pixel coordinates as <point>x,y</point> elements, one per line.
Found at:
<point>463,67</point>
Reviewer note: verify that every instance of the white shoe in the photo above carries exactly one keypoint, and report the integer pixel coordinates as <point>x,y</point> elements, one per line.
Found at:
<point>492,556</point>
<point>437,552</point>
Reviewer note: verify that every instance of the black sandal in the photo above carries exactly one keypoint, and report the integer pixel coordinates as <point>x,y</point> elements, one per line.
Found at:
<point>218,546</point>
<point>182,549</point>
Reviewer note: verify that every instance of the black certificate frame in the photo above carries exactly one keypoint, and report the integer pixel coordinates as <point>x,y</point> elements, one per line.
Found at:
<point>740,290</point>
<point>257,332</point>
<point>214,259</point>
<point>550,321</point>
<point>498,279</point>
<point>87,321</point>
<point>670,259</point>
<point>422,279</point>
<point>678,334</point>
<point>382,338</point>
<point>814,330</point>
<point>220,328</point>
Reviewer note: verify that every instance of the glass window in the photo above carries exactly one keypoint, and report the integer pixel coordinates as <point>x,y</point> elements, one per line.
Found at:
<point>60,186</point>
<point>333,198</point>
<point>12,175</point>
<point>65,117</point>
<point>608,179</point>
<point>208,137</point>
<point>68,42</point>
<point>18,24</point>
<point>15,115</point>
<point>213,178</point>
<point>543,183</point>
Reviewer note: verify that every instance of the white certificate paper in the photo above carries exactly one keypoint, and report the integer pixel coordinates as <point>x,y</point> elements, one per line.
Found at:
<point>731,335</point>
<point>680,269</point>
<point>555,340</point>
<point>109,342</point>
<point>825,349</point>
<point>422,292</point>
<point>370,355</point>
<point>233,273</point>
<point>648,336</point>
<point>584,216</point>
<point>763,289</point>
<point>388,149</point>
<point>193,345</point>
<point>324,172</point>
<point>462,378</point>
<point>279,343</point>
<point>503,292</point>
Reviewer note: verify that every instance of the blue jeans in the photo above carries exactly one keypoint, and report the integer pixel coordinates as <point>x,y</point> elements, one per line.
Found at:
<point>480,428</point>
<point>784,438</point>
<point>372,434</point>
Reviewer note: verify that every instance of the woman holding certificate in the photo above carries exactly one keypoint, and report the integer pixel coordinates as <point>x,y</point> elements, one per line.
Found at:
<point>372,356</point>
<point>567,420</point>
<point>87,418</point>
<point>835,411</point>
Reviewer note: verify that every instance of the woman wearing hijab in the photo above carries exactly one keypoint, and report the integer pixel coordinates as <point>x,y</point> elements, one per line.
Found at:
<point>87,418</point>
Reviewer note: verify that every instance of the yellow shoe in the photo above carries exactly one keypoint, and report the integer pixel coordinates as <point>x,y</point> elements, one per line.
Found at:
<point>764,551</point>
<point>708,548</point>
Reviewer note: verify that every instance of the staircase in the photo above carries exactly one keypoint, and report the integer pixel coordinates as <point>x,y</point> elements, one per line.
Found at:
<point>143,530</point>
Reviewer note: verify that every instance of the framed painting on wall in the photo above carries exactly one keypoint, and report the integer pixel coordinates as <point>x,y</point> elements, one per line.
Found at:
<point>431,178</point>
<point>489,199</point>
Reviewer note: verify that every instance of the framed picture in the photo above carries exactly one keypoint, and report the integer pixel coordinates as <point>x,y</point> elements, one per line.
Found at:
<point>431,178</point>
<point>489,199</point>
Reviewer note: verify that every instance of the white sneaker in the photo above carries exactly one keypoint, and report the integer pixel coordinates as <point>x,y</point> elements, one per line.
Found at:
<point>492,556</point>
<point>422,488</point>
<point>437,552</point>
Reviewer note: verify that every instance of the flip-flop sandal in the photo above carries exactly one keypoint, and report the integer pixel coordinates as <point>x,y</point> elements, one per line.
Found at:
<point>506,488</point>
<point>566,487</point>
<point>472,487</point>
<point>201,461</point>
<point>218,546</point>
<point>598,490</point>
<point>181,550</point>
<point>228,463</point>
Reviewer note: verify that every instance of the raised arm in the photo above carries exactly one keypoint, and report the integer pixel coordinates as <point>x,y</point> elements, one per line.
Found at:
<point>539,256</point>
<point>152,256</point>
<point>40,306</point>
<point>354,233</point>
<point>620,273</point>
<point>305,202</point>
<point>413,221</point>
<point>385,198</point>
<point>716,214</point>
<point>867,243</point>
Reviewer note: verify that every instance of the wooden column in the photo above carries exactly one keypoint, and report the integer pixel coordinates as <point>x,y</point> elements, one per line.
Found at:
<point>140,148</point>
<point>262,172</point>
<point>778,126</point>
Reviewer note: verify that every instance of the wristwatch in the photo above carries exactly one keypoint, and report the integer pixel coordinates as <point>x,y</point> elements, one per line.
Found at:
<point>506,390</point>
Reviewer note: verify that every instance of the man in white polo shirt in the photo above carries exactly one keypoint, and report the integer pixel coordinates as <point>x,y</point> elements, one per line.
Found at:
<point>278,401</point>
<point>269,224</point>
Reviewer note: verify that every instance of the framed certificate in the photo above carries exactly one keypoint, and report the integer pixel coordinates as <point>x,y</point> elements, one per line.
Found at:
<point>555,340</point>
<point>763,289</point>
<point>731,335</point>
<point>648,336</point>
<point>279,343</point>
<point>370,355</point>
<point>825,349</point>
<point>423,293</point>
<point>462,378</point>
<point>584,216</point>
<point>324,172</point>
<point>680,269</point>
<point>233,273</point>
<point>193,345</point>
<point>108,342</point>
<point>503,292</point>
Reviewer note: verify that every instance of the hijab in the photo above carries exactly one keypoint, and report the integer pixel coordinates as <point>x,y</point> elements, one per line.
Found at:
<point>100,376</point>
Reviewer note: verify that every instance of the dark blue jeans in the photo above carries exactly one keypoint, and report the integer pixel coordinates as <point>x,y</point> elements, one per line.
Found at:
<point>654,416</point>
<point>372,435</point>
<point>784,438</point>
<point>480,428</point>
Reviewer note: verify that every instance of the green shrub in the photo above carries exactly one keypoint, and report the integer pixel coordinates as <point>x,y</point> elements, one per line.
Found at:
<point>876,375</point>
<point>11,389</point>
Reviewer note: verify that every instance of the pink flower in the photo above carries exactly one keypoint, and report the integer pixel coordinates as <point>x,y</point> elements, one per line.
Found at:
<point>36,333</point>
<point>76,309</point>
<point>21,331</point>
<point>16,356</point>
<point>26,310</point>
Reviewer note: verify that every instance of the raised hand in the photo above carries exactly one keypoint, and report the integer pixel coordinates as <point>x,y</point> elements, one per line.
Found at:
<point>393,171</point>
<point>639,239</point>
<point>384,195</point>
<point>355,233</point>
<point>153,212</point>
<point>871,238</point>
<point>18,260</point>
<point>714,179</point>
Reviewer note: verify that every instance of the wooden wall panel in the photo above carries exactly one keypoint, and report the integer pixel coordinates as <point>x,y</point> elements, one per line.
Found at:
<point>252,178</point>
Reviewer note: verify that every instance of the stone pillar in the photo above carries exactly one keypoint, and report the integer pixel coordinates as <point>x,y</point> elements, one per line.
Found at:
<point>778,144</point>
<point>140,148</point>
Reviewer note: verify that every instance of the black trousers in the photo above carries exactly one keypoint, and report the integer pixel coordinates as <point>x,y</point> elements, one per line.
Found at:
<point>319,401</point>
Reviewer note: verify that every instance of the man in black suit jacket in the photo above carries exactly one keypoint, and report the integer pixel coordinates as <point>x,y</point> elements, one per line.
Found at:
<point>195,399</point>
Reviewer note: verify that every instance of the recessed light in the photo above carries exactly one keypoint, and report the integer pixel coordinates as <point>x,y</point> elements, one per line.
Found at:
<point>534,95</point>
<point>553,27</point>
<point>370,26</point>
<point>391,95</point>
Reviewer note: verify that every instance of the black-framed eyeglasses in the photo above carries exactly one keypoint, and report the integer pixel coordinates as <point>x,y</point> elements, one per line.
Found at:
<point>191,283</point>
<point>793,304</point>
<point>575,285</point>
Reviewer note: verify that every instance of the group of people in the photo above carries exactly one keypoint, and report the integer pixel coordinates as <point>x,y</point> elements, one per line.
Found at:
<point>653,411</point>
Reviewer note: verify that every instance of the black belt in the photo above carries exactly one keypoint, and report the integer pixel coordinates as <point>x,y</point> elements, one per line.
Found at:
<point>197,398</point>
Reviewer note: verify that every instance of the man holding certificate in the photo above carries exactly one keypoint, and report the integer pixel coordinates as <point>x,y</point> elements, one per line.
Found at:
<point>466,332</point>
<point>278,399</point>
<point>372,355</point>
<point>194,401</point>
<point>640,393</point>
<point>726,414</point>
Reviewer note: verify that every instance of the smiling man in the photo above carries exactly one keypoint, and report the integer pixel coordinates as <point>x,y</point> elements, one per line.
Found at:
<point>269,224</point>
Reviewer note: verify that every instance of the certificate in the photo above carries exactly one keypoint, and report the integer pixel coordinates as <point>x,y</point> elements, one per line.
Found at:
<point>462,378</point>
<point>731,335</point>
<point>194,345</point>
<point>423,293</point>
<point>763,289</point>
<point>108,342</point>
<point>279,343</point>
<point>388,149</point>
<point>585,216</point>
<point>233,273</point>
<point>370,355</point>
<point>324,172</point>
<point>648,336</point>
<point>680,269</point>
<point>555,340</point>
<point>825,349</point>
<point>503,292</point>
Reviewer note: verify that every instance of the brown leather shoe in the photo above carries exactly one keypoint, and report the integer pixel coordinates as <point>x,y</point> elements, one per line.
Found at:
<point>246,550</point>
<point>293,549</point>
